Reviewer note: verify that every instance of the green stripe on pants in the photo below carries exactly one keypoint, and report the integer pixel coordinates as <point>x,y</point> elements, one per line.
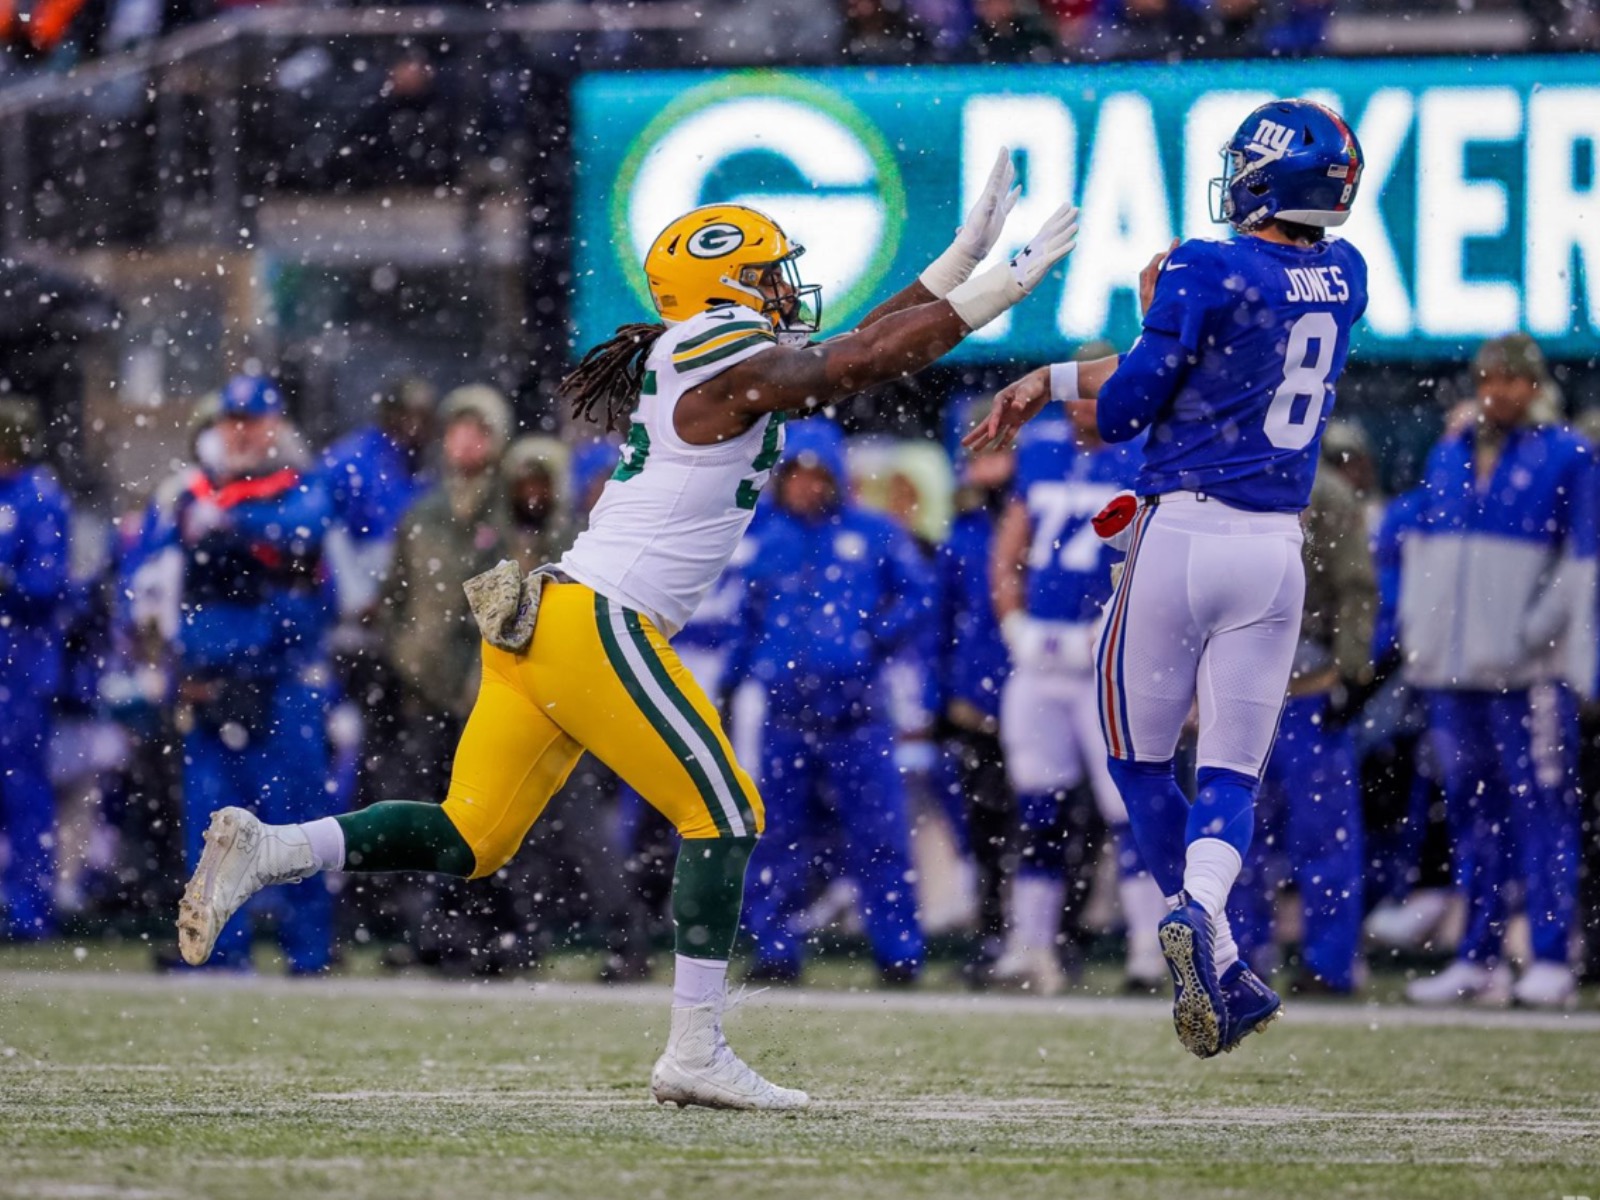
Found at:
<point>658,721</point>
<point>687,710</point>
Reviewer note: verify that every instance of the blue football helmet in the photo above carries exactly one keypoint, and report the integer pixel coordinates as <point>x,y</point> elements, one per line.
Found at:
<point>251,396</point>
<point>1293,160</point>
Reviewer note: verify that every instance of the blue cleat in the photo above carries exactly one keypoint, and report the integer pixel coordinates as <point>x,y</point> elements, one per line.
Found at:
<point>1199,1008</point>
<point>1252,1005</point>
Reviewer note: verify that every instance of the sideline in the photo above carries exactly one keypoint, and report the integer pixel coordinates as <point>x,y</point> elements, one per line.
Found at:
<point>1311,1013</point>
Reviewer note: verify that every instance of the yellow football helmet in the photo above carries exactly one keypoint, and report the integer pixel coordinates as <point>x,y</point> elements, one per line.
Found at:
<point>729,254</point>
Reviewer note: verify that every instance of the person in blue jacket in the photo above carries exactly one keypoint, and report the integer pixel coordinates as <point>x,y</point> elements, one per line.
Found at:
<point>374,474</point>
<point>1497,623</point>
<point>34,515</point>
<point>973,667</point>
<point>832,591</point>
<point>254,614</point>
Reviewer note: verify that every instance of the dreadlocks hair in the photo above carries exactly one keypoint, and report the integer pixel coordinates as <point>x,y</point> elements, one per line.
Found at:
<point>610,375</point>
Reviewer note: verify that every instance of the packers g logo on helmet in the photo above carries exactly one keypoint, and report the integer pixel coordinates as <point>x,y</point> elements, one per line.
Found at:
<point>715,241</point>
<point>722,254</point>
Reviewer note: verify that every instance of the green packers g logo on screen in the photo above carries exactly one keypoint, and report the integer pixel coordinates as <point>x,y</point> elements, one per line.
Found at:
<point>786,145</point>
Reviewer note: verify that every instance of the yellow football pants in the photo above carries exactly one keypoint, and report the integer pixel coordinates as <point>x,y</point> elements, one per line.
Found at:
<point>601,678</point>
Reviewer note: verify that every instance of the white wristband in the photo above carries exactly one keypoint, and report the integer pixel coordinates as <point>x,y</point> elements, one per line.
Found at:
<point>984,297</point>
<point>1064,382</point>
<point>947,272</point>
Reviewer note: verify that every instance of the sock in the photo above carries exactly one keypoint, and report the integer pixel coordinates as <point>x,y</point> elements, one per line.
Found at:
<point>1224,808</point>
<point>707,893</point>
<point>1208,876</point>
<point>405,835</point>
<point>327,843</point>
<point>1157,814</point>
<point>1036,903</point>
<point>697,981</point>
<point>1224,950</point>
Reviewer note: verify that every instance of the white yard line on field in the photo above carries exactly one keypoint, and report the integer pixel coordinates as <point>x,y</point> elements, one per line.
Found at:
<point>17,985</point>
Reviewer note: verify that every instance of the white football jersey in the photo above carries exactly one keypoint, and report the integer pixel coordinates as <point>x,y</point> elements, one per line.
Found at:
<point>672,514</point>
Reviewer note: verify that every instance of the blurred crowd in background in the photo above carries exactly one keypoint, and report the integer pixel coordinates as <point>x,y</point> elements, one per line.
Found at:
<point>55,35</point>
<point>903,648</point>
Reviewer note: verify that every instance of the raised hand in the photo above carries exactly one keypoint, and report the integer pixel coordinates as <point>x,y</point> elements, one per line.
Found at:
<point>1054,241</point>
<point>984,297</point>
<point>1014,406</point>
<point>987,217</point>
<point>979,232</point>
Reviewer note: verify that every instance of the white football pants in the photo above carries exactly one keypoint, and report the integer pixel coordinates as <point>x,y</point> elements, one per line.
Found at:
<point>1208,609</point>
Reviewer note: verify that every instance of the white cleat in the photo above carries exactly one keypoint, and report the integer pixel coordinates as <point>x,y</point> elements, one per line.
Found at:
<point>1463,983</point>
<point>241,857</point>
<point>699,1067</point>
<point>1035,970</point>
<point>1546,985</point>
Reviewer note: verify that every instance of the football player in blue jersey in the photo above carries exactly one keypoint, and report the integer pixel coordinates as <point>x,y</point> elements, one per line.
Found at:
<point>1051,577</point>
<point>1233,380</point>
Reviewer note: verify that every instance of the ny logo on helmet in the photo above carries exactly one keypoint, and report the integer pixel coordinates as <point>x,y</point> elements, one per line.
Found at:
<point>1269,143</point>
<point>715,241</point>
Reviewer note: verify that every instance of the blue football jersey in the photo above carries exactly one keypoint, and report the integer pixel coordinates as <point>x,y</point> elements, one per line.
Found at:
<point>1266,329</point>
<point>1069,567</point>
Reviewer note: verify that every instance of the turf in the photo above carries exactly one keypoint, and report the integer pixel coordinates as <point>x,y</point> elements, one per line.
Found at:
<point>120,1084</point>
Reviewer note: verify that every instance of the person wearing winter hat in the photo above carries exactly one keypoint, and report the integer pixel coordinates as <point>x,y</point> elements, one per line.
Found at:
<point>253,684</point>
<point>1497,625</point>
<point>820,652</point>
<point>537,472</point>
<point>456,530</point>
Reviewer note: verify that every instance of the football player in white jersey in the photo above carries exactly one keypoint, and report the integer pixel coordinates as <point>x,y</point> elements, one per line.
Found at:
<point>576,656</point>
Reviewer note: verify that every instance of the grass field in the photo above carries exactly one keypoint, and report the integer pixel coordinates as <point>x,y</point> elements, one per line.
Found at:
<point>117,1083</point>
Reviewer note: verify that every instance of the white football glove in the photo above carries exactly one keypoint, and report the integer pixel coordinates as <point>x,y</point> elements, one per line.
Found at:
<point>1054,241</point>
<point>981,299</point>
<point>979,232</point>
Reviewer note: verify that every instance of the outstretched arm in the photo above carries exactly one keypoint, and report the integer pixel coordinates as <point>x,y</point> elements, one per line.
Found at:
<point>796,378</point>
<point>788,379</point>
<point>1076,385</point>
<point>907,297</point>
